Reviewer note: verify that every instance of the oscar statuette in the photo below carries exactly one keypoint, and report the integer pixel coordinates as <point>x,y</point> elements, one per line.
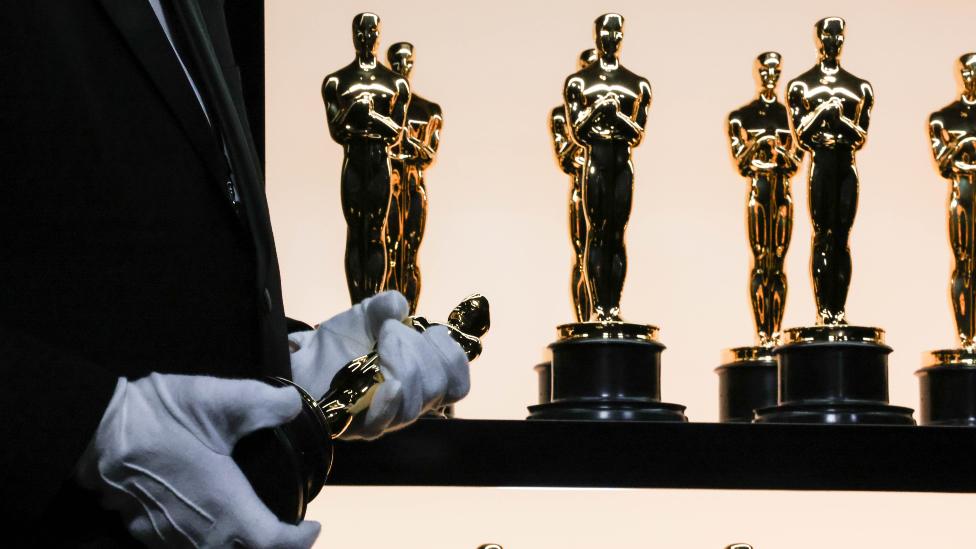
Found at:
<point>764,151</point>
<point>948,379</point>
<point>366,111</point>
<point>833,372</point>
<point>409,160</point>
<point>602,367</point>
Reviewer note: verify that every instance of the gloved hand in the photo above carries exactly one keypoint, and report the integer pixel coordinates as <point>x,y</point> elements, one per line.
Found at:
<point>422,370</point>
<point>351,334</point>
<point>161,457</point>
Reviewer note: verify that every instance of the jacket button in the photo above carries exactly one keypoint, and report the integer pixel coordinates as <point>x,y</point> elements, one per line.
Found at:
<point>267,301</point>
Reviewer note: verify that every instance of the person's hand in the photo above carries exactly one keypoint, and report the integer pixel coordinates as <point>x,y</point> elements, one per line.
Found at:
<point>161,457</point>
<point>422,371</point>
<point>351,334</point>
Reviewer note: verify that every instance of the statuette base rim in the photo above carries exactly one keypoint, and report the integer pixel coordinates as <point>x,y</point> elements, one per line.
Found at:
<point>606,330</point>
<point>749,355</point>
<point>837,413</point>
<point>631,409</point>
<point>833,333</point>
<point>949,358</point>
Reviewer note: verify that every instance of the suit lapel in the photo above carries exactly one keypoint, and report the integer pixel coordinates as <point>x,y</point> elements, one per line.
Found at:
<point>216,20</point>
<point>141,30</point>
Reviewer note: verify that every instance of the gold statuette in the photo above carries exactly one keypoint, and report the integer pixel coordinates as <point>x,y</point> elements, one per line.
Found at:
<point>953,133</point>
<point>764,151</point>
<point>948,378</point>
<point>832,372</point>
<point>366,109</point>
<point>409,158</point>
<point>607,109</point>
<point>601,367</point>
<point>830,110</point>
<point>571,158</point>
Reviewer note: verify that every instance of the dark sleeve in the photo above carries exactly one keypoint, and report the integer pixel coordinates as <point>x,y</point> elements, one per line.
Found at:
<point>296,325</point>
<point>50,406</point>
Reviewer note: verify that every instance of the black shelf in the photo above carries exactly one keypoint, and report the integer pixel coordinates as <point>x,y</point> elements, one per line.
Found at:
<point>663,455</point>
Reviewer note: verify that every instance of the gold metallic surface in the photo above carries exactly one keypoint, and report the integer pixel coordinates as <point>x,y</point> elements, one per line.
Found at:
<point>366,109</point>
<point>764,151</point>
<point>409,158</point>
<point>834,333</point>
<point>607,330</point>
<point>606,108</point>
<point>830,110</point>
<point>748,354</point>
<point>571,158</point>
<point>950,357</point>
<point>953,133</point>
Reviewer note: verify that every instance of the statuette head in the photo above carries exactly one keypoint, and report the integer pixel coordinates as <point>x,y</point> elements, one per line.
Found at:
<point>366,33</point>
<point>609,32</point>
<point>967,69</point>
<point>400,56</point>
<point>587,58</point>
<point>767,66</point>
<point>830,37</point>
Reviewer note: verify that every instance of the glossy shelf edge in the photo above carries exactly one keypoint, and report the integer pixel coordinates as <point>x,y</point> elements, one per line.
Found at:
<point>586,454</point>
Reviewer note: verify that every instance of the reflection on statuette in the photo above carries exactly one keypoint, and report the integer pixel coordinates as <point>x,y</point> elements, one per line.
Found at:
<point>571,158</point>
<point>953,134</point>
<point>366,109</point>
<point>764,151</point>
<point>607,109</point>
<point>830,110</point>
<point>409,158</point>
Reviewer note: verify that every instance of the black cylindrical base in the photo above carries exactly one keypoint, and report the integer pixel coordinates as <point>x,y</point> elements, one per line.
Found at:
<point>743,387</point>
<point>844,382</point>
<point>288,465</point>
<point>606,379</point>
<point>544,370</point>
<point>948,394</point>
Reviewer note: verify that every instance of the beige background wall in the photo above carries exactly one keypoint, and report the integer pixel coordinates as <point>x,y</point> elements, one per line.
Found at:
<point>498,225</point>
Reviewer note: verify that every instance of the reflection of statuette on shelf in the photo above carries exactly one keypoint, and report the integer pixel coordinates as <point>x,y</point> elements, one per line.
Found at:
<point>948,378</point>
<point>288,465</point>
<point>832,372</point>
<point>366,110</point>
<point>409,158</point>
<point>603,367</point>
<point>764,151</point>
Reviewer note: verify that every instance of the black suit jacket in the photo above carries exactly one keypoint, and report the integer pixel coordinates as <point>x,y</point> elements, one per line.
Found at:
<point>120,251</point>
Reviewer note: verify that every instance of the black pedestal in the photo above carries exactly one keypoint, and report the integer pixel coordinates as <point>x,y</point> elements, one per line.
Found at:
<point>948,389</point>
<point>599,378</point>
<point>827,379</point>
<point>834,374</point>
<point>288,465</point>
<point>745,384</point>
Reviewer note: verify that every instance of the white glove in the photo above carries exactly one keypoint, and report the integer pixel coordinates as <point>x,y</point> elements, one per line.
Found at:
<point>351,334</point>
<point>422,371</point>
<point>161,457</point>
